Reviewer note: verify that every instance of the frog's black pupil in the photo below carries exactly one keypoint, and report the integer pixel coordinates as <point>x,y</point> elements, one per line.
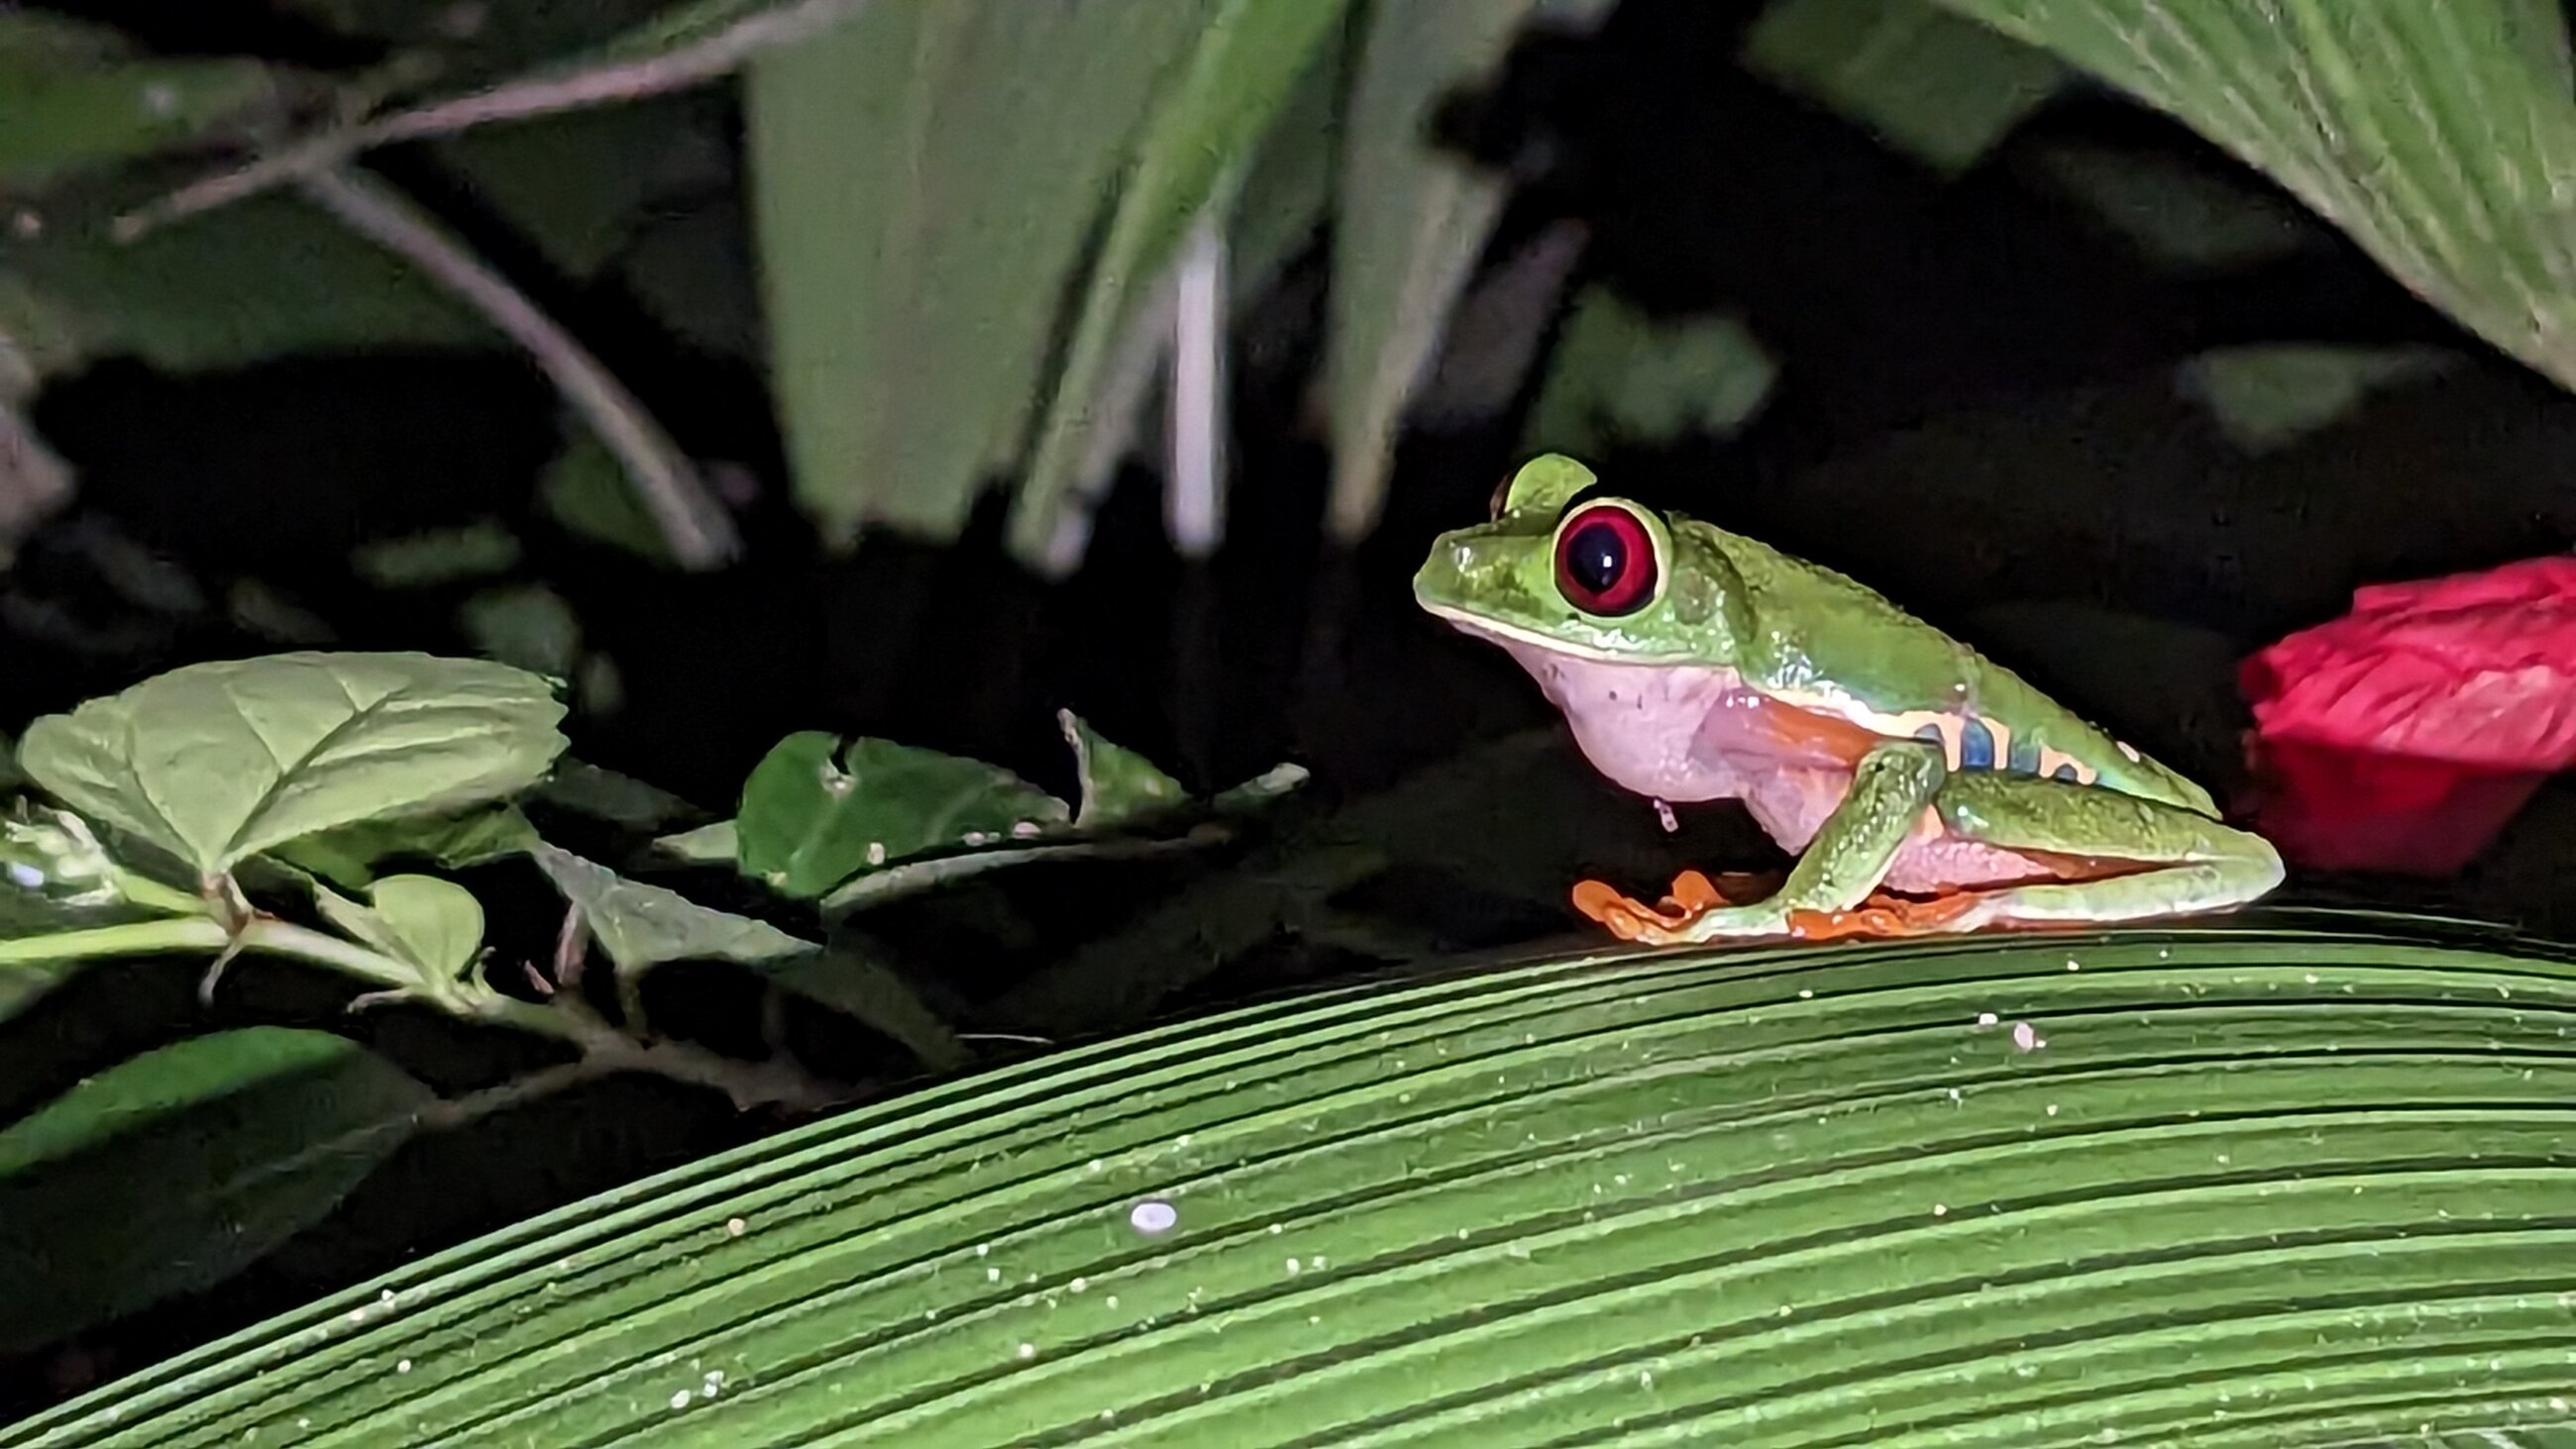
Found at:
<point>1596,557</point>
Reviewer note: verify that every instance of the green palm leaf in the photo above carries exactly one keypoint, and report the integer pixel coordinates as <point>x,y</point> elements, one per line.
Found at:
<point>2262,1184</point>
<point>2440,136</point>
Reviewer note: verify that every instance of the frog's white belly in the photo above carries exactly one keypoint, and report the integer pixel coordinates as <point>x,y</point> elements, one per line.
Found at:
<point>1687,733</point>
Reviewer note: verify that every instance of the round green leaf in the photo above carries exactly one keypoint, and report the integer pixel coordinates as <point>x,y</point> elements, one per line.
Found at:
<point>2253,1186</point>
<point>178,1168</point>
<point>810,821</point>
<point>434,924</point>
<point>216,762</point>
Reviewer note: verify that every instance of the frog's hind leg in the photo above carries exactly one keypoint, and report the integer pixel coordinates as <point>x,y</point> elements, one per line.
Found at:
<point>2172,862</point>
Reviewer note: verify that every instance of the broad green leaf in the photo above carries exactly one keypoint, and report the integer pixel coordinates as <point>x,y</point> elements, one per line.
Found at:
<point>218,762</point>
<point>1118,784</point>
<point>475,550</point>
<point>2439,137</point>
<point>2252,1186</point>
<point>870,991</point>
<point>1621,377</point>
<point>178,1168</point>
<point>71,99</point>
<point>641,926</point>
<point>528,626</point>
<point>288,277</point>
<point>925,178</point>
<point>2176,212</point>
<point>347,855</point>
<point>2267,396</point>
<point>1411,224</point>
<point>435,925</point>
<point>1203,132</point>
<point>1288,189</point>
<point>814,813</point>
<point>1942,89</point>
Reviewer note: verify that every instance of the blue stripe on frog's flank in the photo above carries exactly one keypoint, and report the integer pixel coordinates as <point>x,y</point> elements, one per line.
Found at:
<point>1977,743</point>
<point>1974,742</point>
<point>2024,759</point>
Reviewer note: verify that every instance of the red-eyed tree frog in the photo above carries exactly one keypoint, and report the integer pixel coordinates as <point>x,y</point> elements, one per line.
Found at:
<point>1923,787</point>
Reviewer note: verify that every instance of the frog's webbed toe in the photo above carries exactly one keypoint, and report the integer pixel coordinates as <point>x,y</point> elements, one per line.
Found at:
<point>1883,916</point>
<point>1697,908</point>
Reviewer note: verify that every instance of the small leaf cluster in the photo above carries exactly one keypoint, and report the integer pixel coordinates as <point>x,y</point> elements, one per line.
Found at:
<point>349,811</point>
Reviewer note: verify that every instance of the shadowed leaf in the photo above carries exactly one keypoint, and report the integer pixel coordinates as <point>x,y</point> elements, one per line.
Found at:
<point>641,926</point>
<point>72,98</point>
<point>180,1167</point>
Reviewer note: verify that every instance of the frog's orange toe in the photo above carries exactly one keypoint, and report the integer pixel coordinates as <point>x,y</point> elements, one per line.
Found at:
<point>1626,919</point>
<point>1884,916</point>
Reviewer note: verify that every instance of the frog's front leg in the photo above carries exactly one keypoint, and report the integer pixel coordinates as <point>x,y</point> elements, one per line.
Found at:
<point>1840,868</point>
<point>2169,861</point>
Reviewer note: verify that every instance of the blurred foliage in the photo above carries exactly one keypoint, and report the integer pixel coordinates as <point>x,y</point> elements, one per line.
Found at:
<point>950,234</point>
<point>2264,397</point>
<point>1619,377</point>
<point>1938,87</point>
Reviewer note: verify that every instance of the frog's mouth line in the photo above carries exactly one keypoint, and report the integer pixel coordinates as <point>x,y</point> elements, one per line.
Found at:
<point>1486,627</point>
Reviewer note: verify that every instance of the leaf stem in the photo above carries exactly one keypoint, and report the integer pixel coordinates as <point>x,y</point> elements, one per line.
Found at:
<point>693,525</point>
<point>604,1049</point>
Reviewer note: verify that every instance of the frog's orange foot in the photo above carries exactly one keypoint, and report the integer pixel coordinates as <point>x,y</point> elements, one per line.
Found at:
<point>1885,915</point>
<point>1627,919</point>
<point>1693,895</point>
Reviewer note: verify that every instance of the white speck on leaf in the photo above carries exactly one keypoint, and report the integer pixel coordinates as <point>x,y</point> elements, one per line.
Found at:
<point>1154,1216</point>
<point>680,1400</point>
<point>2027,1038</point>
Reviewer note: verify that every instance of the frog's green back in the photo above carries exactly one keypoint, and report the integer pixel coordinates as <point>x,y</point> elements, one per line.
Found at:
<point>1826,641</point>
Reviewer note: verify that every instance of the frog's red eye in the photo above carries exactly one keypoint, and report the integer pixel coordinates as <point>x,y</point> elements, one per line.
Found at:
<point>1605,561</point>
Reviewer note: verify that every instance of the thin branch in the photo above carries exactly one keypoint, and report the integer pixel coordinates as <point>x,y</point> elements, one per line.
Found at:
<point>606,1051</point>
<point>678,69</point>
<point>694,525</point>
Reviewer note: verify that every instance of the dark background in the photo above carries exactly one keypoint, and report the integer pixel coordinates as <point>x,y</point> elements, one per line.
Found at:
<point>1976,414</point>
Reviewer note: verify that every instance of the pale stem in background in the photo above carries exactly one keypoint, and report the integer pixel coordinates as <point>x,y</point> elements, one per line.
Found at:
<point>699,533</point>
<point>1194,495</point>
